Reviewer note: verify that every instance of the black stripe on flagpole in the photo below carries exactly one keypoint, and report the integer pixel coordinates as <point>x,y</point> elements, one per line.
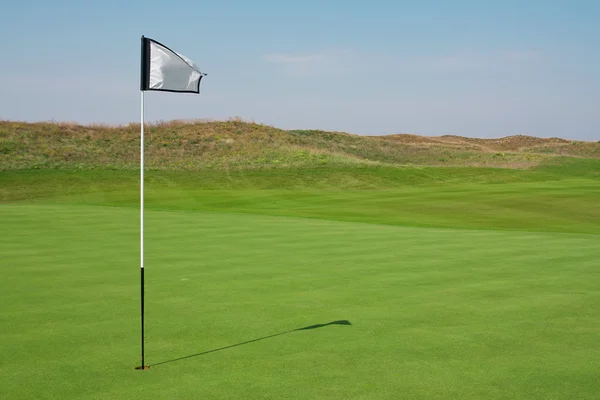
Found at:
<point>145,64</point>
<point>142,280</point>
<point>143,366</point>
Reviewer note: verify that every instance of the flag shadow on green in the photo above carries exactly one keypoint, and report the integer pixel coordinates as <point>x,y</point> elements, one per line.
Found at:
<point>339,322</point>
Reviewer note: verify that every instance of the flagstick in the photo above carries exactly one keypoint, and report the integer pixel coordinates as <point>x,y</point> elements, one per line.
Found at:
<point>143,366</point>
<point>178,80</point>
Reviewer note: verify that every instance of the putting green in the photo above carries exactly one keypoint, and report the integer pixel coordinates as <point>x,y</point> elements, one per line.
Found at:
<point>435,312</point>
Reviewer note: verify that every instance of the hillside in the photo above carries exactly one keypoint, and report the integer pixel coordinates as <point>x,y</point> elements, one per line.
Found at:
<point>235,144</point>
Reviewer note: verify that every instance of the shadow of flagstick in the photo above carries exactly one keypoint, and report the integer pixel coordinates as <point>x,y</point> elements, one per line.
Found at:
<point>340,322</point>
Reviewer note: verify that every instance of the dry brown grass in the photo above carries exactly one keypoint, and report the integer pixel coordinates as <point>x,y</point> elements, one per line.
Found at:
<point>515,143</point>
<point>235,143</point>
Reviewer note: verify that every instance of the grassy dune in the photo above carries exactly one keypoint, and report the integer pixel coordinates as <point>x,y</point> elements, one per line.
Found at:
<point>422,268</point>
<point>236,144</point>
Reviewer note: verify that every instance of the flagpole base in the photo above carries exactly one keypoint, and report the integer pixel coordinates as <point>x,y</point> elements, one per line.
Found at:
<point>145,367</point>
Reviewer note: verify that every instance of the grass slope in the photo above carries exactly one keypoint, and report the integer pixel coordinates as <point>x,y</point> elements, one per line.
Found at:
<point>237,144</point>
<point>560,198</point>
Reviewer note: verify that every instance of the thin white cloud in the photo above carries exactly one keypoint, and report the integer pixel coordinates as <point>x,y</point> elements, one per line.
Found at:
<point>292,58</point>
<point>339,62</point>
<point>312,64</point>
<point>481,61</point>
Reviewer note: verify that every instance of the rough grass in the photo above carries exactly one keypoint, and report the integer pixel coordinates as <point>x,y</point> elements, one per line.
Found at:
<point>558,197</point>
<point>242,145</point>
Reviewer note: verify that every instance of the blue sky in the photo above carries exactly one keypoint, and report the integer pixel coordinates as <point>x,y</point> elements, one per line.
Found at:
<point>464,67</point>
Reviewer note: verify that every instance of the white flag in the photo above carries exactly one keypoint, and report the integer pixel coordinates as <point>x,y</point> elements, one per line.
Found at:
<point>167,71</point>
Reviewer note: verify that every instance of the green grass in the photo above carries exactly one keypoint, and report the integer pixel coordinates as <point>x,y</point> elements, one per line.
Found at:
<point>457,282</point>
<point>435,313</point>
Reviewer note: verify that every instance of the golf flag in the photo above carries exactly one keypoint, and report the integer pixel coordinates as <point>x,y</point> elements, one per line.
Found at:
<point>162,70</point>
<point>167,71</point>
